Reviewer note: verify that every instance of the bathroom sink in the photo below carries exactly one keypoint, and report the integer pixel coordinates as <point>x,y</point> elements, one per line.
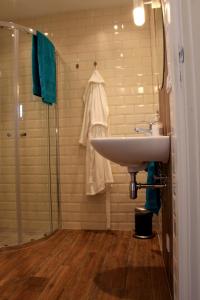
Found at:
<point>133,152</point>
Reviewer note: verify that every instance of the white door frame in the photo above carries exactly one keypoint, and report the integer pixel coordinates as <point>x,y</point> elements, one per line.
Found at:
<point>181,19</point>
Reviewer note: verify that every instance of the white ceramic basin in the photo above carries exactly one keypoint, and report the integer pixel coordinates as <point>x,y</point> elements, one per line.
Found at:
<point>133,152</point>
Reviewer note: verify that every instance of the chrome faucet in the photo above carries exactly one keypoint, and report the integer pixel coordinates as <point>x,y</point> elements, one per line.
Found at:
<point>147,131</point>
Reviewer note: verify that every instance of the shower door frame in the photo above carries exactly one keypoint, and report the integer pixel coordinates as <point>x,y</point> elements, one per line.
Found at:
<point>16,28</point>
<point>16,130</point>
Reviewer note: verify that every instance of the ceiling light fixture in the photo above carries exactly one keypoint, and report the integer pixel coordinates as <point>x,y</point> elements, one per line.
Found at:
<point>138,12</point>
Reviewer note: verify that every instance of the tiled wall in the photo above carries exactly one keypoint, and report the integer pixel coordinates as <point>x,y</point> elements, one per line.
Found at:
<point>123,54</point>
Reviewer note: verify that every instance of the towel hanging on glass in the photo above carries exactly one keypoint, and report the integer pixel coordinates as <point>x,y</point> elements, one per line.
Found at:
<point>43,68</point>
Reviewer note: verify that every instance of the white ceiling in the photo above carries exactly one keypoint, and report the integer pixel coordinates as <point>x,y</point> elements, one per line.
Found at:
<point>13,9</point>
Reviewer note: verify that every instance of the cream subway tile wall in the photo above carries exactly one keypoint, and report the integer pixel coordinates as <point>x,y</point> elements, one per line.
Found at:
<point>123,53</point>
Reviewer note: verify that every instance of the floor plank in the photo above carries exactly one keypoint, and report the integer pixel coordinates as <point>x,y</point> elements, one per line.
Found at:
<point>84,265</point>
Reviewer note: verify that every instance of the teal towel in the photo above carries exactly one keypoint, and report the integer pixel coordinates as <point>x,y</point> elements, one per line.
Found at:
<point>152,195</point>
<point>44,68</point>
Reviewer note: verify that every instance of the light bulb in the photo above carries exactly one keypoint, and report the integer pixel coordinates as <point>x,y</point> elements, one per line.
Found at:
<point>138,12</point>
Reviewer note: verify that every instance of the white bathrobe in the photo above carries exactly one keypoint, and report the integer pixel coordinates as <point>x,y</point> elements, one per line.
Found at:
<point>95,124</point>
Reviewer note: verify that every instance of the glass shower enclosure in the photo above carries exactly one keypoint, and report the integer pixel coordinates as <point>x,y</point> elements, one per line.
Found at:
<point>29,182</point>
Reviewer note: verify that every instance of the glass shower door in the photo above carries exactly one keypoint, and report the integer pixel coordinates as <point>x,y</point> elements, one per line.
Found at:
<point>29,206</point>
<point>9,210</point>
<point>33,152</point>
<point>53,166</point>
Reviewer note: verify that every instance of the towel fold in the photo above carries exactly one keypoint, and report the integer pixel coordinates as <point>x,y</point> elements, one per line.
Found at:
<point>44,68</point>
<point>152,195</point>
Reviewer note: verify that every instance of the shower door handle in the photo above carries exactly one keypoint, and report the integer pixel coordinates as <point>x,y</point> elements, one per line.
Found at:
<point>23,134</point>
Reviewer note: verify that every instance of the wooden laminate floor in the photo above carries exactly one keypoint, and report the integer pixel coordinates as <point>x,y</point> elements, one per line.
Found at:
<point>84,265</point>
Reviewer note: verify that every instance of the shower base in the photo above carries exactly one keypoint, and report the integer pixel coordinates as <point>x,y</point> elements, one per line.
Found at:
<point>9,238</point>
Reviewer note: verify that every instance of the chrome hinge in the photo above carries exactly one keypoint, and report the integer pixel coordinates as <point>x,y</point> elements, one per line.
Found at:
<point>181,55</point>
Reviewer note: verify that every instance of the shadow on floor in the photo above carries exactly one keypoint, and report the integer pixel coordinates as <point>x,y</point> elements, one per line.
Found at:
<point>139,283</point>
